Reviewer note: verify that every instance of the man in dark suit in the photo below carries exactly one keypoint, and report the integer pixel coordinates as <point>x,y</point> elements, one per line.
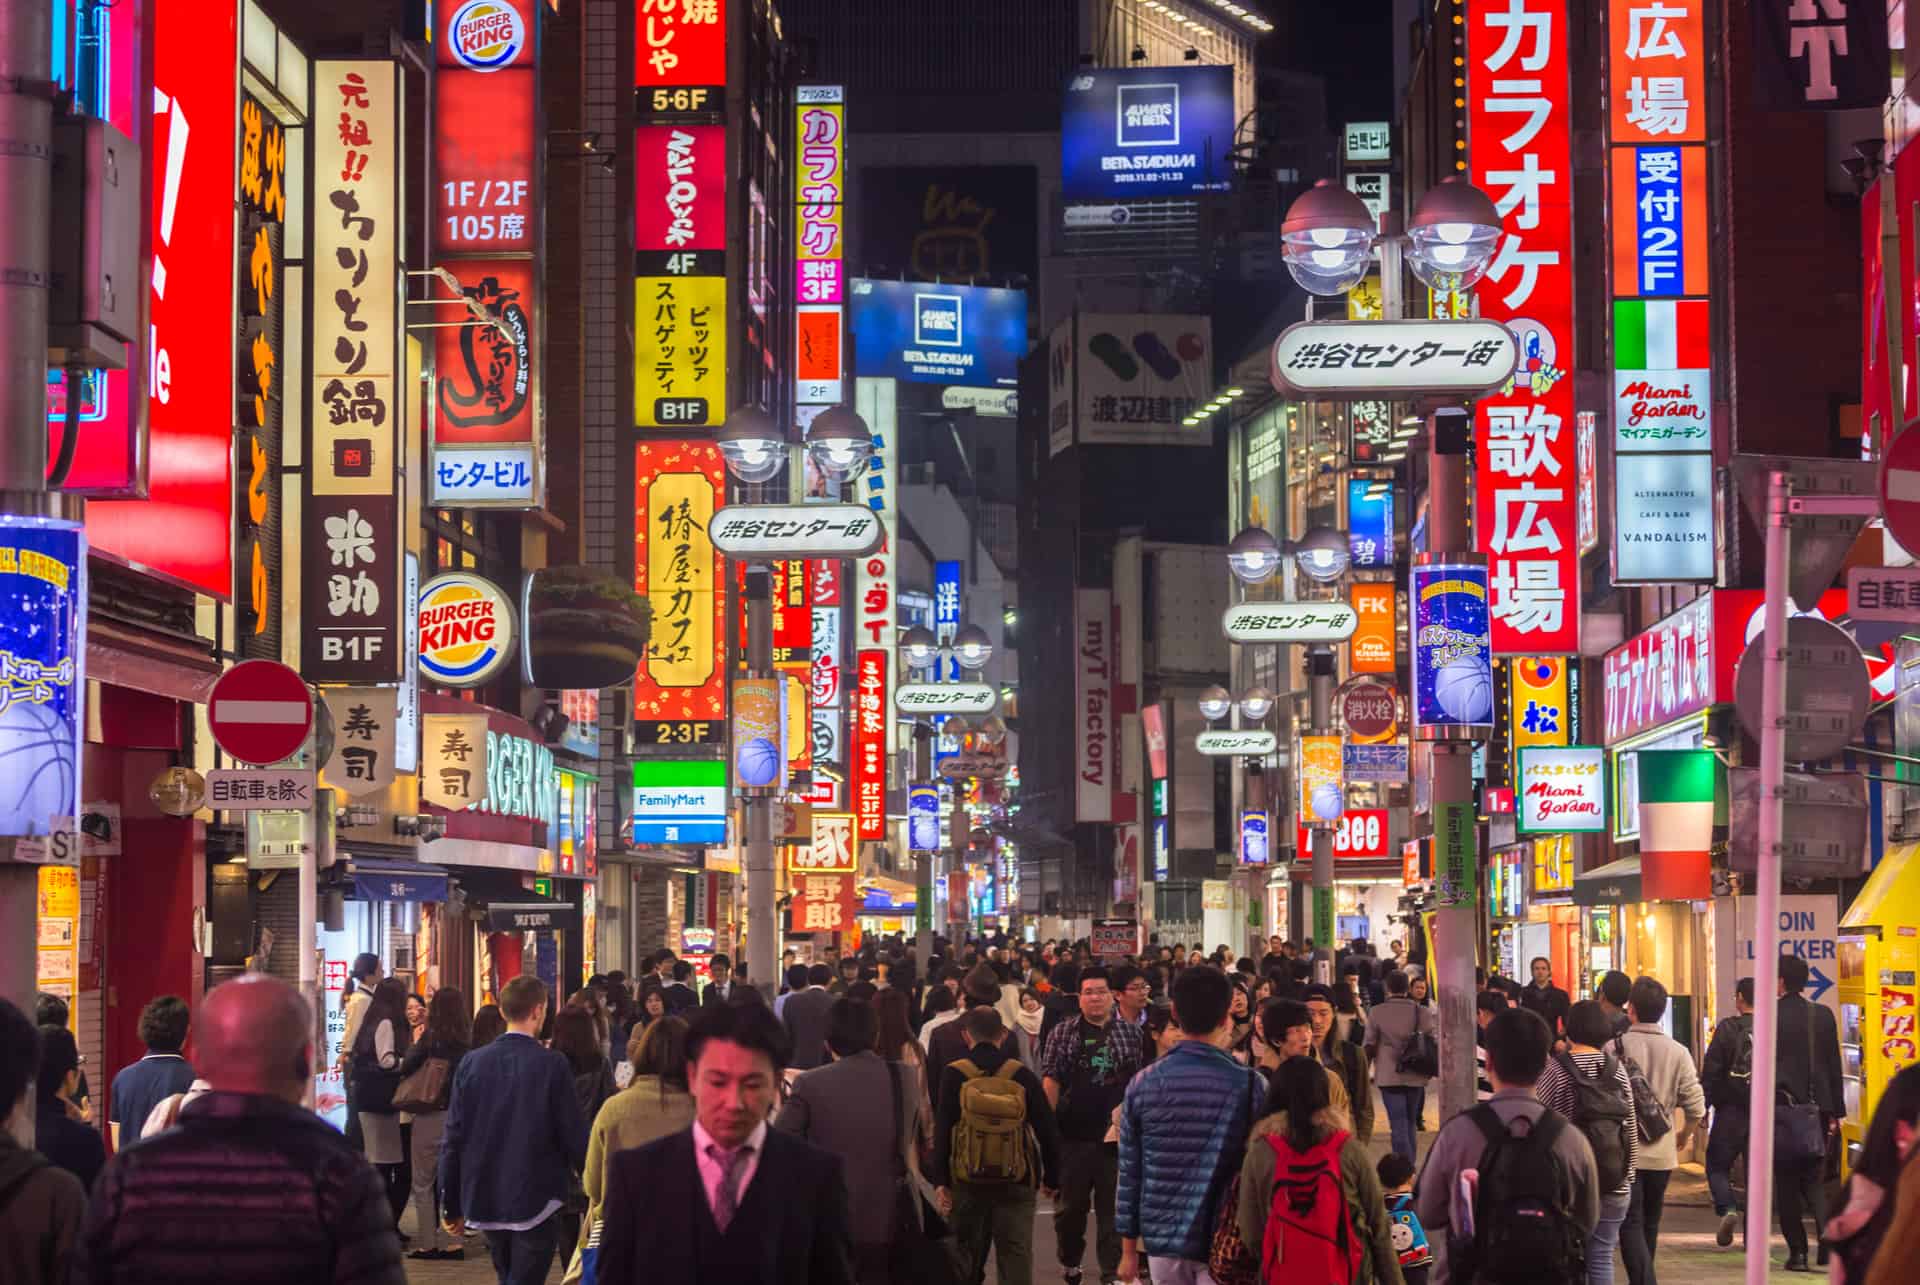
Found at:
<point>849,1108</point>
<point>722,986</point>
<point>678,994</point>
<point>1807,1068</point>
<point>805,1016</point>
<point>514,1137</point>
<point>727,1199</point>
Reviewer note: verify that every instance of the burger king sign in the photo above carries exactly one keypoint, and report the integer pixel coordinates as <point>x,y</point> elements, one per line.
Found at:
<point>486,35</point>
<point>466,630</point>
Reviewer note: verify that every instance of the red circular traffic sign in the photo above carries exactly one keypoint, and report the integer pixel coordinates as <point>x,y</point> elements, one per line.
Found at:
<point>1900,489</point>
<point>260,711</point>
<point>1369,708</point>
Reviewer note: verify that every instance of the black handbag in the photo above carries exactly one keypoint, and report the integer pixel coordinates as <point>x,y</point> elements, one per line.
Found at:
<point>1799,1128</point>
<point>918,1251</point>
<point>1419,1055</point>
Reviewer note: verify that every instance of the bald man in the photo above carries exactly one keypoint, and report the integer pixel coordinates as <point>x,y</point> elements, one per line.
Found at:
<point>249,1185</point>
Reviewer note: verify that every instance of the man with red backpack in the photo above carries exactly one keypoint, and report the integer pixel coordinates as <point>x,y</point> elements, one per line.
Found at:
<point>1534,1197</point>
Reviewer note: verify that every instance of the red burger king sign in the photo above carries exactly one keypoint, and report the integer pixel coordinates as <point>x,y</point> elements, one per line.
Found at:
<point>486,35</point>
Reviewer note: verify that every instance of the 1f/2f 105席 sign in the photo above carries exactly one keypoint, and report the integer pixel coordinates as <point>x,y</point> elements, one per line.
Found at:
<point>794,531</point>
<point>1371,358</point>
<point>1289,622</point>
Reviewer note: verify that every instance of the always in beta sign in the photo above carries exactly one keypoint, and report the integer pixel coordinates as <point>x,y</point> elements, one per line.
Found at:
<point>940,334</point>
<point>1142,132</point>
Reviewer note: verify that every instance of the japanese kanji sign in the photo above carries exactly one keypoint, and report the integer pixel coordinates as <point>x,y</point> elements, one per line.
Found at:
<point>1519,152</point>
<point>484,94</point>
<point>1657,86</point>
<point>1820,55</point>
<point>830,849</point>
<point>1883,593</point>
<point>677,488</point>
<point>251,789</point>
<point>488,388</point>
<point>871,719</point>
<point>762,532</point>
<point>351,601</point>
<point>875,615</point>
<point>453,760</point>
<point>945,698</point>
<point>679,350</point>
<point>679,42</point>
<point>1541,708</point>
<point>1392,358</point>
<point>827,695</point>
<point>263,206</point>
<point>1289,622</point>
<point>820,194</point>
<point>363,738</point>
<point>823,903</point>
<point>1228,742</point>
<point>1138,376</point>
<point>1659,220</point>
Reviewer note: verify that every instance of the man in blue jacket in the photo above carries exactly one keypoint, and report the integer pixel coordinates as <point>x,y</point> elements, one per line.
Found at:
<point>1183,1134</point>
<point>514,1134</point>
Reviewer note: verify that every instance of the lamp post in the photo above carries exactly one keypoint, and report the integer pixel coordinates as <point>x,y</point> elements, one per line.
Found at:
<point>755,450</point>
<point>1323,556</point>
<point>1449,241</point>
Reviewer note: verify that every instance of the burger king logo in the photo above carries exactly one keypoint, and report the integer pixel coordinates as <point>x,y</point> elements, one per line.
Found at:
<point>466,630</point>
<point>486,35</point>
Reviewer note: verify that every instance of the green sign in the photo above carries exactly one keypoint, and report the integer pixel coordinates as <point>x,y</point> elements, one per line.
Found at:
<point>1160,797</point>
<point>1323,918</point>
<point>1455,858</point>
<point>543,886</point>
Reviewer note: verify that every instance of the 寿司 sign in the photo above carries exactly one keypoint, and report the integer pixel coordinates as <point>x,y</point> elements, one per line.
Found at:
<point>1369,358</point>
<point>1563,789</point>
<point>466,629</point>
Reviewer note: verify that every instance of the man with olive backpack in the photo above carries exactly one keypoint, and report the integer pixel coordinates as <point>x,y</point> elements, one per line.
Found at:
<point>995,1142</point>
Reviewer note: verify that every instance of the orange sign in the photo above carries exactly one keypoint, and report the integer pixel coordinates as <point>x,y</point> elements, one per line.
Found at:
<point>1372,644</point>
<point>1657,91</point>
<point>1673,251</point>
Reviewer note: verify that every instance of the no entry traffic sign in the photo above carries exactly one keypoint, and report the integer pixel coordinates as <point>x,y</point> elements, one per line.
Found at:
<point>260,711</point>
<point>1900,489</point>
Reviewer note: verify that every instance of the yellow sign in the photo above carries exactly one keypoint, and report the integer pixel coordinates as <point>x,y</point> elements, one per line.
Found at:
<point>58,929</point>
<point>679,351</point>
<point>819,180</point>
<point>1541,713</point>
<point>678,486</point>
<point>1319,774</point>
<point>1552,865</point>
<point>1364,302</point>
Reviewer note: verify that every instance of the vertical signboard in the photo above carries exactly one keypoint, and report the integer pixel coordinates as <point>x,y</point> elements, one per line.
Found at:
<point>1452,660</point>
<point>43,683</point>
<point>871,720</point>
<point>1663,527</point>
<point>1520,154</point>
<point>827,697</point>
<point>874,621</point>
<point>1371,649</point>
<point>1093,667</point>
<point>351,606</point>
<point>820,193</point>
<point>183,529</point>
<point>677,486</point>
<point>1540,713</point>
<point>1370,523</point>
<point>261,395</point>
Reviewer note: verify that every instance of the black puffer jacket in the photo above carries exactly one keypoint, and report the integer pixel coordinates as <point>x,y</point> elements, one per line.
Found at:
<point>244,1189</point>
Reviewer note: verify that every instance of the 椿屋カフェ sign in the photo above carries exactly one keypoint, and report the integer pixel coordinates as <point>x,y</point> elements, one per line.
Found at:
<point>1373,358</point>
<point>1562,789</point>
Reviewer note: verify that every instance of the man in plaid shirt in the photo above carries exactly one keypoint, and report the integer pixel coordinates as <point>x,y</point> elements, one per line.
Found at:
<point>1084,1069</point>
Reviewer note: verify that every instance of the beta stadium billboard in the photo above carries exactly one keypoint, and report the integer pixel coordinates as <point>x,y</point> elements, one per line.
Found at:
<point>967,336</point>
<point>1144,132</point>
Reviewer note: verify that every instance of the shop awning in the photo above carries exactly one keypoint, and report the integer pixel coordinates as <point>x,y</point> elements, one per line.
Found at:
<point>397,880</point>
<point>1892,891</point>
<point>1611,884</point>
<point>529,916</point>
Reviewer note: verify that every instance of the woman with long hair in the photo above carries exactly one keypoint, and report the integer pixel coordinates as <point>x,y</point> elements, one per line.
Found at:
<point>447,1033</point>
<point>378,1050</point>
<point>654,1104</point>
<point>591,1000</point>
<point>1303,1133</point>
<point>895,1043</point>
<point>489,1024</point>
<point>576,1036</point>
<point>1855,1234</point>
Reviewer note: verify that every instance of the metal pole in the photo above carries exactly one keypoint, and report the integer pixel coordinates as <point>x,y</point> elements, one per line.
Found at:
<point>763,938</point>
<point>1766,904</point>
<point>26,187</point>
<point>1455,928</point>
<point>1320,713</point>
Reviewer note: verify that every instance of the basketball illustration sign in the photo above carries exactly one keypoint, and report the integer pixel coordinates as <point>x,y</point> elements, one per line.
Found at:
<point>1452,654</point>
<point>43,595</point>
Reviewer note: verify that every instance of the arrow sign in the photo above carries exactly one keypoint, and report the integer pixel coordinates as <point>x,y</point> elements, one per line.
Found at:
<point>1819,984</point>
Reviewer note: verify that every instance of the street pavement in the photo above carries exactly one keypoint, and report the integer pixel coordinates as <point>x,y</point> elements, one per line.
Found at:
<point>1686,1250</point>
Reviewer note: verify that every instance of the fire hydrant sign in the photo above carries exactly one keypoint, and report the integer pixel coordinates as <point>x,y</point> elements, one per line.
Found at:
<point>1563,789</point>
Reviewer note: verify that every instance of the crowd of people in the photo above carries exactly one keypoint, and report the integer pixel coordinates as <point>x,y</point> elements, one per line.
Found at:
<point>1187,1118</point>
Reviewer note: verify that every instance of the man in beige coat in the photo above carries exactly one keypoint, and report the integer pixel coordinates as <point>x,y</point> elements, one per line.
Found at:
<point>1669,1071</point>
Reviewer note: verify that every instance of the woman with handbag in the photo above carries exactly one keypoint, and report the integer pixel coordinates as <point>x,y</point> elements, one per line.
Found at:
<point>378,1049</point>
<point>1403,1039</point>
<point>427,1083</point>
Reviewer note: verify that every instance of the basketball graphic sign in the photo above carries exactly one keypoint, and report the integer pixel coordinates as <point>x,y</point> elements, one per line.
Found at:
<point>466,630</point>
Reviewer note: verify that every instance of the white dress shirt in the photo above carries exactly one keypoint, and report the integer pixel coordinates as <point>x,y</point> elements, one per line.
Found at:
<point>712,1172</point>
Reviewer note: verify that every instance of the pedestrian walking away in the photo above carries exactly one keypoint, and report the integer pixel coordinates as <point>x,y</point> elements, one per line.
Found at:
<point>161,1072</point>
<point>1664,1067</point>
<point>41,1203</point>
<point>1403,1042</point>
<point>514,1137</point>
<point>1855,1234</point>
<point>1592,1090</point>
<point>728,1199</point>
<point>167,1210</point>
<point>1726,1076</point>
<point>1806,1074</point>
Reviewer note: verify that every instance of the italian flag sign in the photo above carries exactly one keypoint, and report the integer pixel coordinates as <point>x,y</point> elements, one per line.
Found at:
<point>1678,789</point>
<point>1660,334</point>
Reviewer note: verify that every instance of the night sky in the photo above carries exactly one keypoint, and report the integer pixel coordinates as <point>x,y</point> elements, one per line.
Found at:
<point>1351,43</point>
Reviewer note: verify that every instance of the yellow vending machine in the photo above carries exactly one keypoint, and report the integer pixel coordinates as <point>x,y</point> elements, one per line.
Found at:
<point>1879,955</point>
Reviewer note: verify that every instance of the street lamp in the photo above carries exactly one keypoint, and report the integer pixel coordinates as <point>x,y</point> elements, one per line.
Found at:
<point>1452,235</point>
<point>919,647</point>
<point>1327,239</point>
<point>971,647</point>
<point>1255,704</point>
<point>753,446</point>
<point>1322,554</point>
<point>840,443</point>
<point>1215,703</point>
<point>1254,555</point>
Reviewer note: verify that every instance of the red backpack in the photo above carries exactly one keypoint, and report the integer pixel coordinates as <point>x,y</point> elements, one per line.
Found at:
<point>1309,1238</point>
